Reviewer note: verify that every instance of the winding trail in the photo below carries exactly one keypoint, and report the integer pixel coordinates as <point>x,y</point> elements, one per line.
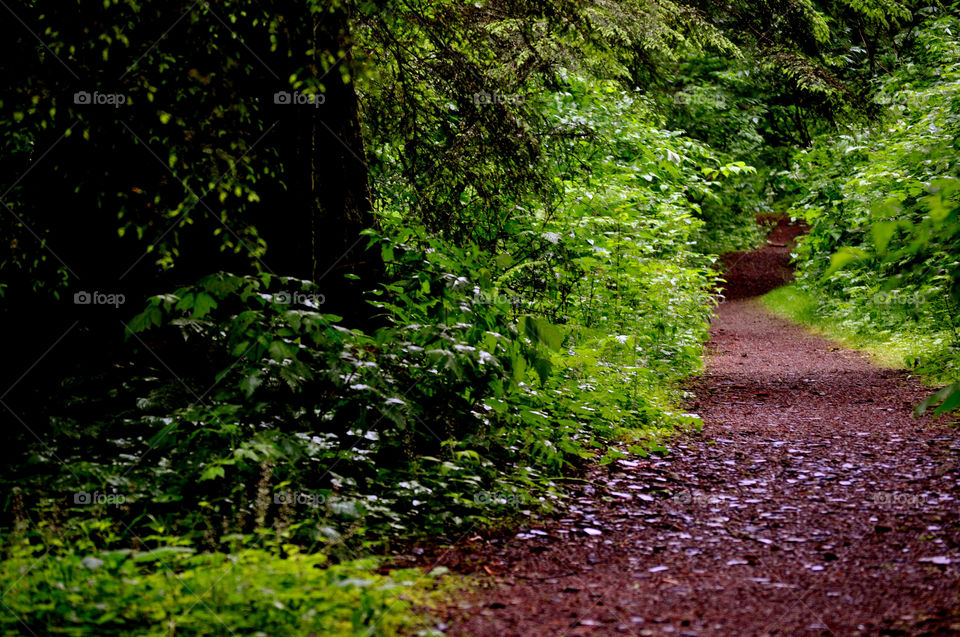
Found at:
<point>811,503</point>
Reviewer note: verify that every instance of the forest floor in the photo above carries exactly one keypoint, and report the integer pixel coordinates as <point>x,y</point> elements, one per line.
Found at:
<point>812,502</point>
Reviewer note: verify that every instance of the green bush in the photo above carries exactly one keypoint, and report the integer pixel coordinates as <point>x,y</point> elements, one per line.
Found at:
<point>171,590</point>
<point>484,377</point>
<point>882,202</point>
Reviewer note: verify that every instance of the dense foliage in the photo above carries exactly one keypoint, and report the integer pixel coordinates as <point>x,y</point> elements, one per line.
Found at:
<point>291,286</point>
<point>881,200</point>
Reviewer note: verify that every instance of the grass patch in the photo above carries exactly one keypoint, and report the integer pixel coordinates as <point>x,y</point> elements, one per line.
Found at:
<point>897,342</point>
<point>172,590</point>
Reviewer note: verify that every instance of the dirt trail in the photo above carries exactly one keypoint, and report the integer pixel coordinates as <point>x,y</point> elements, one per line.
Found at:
<point>811,503</point>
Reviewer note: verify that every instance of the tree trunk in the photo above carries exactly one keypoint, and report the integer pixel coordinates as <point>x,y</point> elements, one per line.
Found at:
<point>315,233</point>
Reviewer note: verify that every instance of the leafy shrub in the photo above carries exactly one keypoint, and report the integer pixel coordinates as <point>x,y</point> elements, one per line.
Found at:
<point>882,202</point>
<point>484,377</point>
<point>174,590</point>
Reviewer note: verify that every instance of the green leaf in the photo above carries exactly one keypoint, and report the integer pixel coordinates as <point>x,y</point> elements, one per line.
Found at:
<point>251,382</point>
<point>882,232</point>
<point>186,302</point>
<point>203,304</point>
<point>150,317</point>
<point>842,258</point>
<point>542,331</point>
<point>280,351</point>
<point>544,368</point>
<point>212,472</point>
<point>948,399</point>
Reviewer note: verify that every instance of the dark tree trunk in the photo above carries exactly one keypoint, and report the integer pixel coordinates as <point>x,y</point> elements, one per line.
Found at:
<point>315,233</point>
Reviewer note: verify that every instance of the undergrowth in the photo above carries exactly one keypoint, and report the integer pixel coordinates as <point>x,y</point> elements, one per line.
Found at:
<point>897,342</point>
<point>488,377</point>
<point>881,200</point>
<point>532,285</point>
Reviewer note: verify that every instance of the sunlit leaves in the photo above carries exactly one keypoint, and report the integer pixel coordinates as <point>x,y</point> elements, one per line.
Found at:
<point>882,232</point>
<point>883,203</point>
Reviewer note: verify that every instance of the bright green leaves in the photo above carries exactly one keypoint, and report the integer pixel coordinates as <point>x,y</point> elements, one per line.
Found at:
<point>946,400</point>
<point>883,253</point>
<point>199,304</point>
<point>635,317</point>
<point>882,232</point>
<point>882,13</point>
<point>541,331</point>
<point>728,170</point>
<point>842,258</point>
<point>942,201</point>
<point>253,583</point>
<point>214,471</point>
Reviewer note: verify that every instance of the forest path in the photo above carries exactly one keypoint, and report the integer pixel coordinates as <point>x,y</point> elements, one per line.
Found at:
<point>811,503</point>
